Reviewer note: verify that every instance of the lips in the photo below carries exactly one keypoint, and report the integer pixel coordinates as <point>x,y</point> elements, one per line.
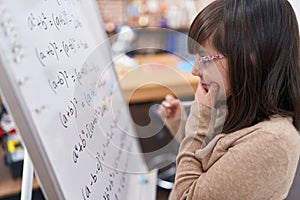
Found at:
<point>205,86</point>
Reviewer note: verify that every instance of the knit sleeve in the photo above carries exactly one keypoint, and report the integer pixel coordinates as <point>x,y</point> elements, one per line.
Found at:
<point>251,169</point>
<point>189,169</point>
<point>177,126</point>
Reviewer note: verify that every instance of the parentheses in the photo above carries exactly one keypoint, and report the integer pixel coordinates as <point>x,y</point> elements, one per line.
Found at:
<point>51,87</point>
<point>74,106</point>
<point>38,56</point>
<point>64,79</point>
<point>53,45</point>
<point>65,126</point>
<point>54,22</point>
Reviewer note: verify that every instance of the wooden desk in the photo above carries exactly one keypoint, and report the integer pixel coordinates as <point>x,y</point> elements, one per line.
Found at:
<point>157,76</point>
<point>8,185</point>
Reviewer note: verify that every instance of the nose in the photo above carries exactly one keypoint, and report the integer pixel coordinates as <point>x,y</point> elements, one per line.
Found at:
<point>196,71</point>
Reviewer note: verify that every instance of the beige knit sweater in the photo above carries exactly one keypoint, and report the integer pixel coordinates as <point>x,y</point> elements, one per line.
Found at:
<point>256,163</point>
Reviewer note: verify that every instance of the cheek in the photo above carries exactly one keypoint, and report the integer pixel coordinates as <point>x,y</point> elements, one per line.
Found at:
<point>212,74</point>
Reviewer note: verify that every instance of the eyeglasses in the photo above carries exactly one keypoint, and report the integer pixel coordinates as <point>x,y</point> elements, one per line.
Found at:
<point>207,59</point>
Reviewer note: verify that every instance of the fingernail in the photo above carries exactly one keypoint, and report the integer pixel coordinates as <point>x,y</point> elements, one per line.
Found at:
<point>166,104</point>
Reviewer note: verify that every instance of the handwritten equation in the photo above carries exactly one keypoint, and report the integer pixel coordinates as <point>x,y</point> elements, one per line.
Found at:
<point>9,31</point>
<point>86,133</point>
<point>112,188</point>
<point>55,50</point>
<point>86,190</point>
<point>116,179</point>
<point>70,112</point>
<point>43,21</point>
<point>65,78</point>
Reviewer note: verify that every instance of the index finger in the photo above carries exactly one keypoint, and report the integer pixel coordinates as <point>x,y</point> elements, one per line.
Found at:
<point>213,92</point>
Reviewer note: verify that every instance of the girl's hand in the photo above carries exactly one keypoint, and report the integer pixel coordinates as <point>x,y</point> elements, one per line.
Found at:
<point>207,98</point>
<point>171,113</point>
<point>169,108</point>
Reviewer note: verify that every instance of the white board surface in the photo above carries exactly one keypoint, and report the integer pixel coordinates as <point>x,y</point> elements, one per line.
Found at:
<point>58,80</point>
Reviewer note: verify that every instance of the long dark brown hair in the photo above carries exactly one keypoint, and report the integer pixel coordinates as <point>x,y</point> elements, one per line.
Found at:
<point>260,39</point>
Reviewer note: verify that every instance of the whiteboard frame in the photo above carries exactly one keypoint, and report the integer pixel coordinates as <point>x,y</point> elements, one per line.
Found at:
<point>29,134</point>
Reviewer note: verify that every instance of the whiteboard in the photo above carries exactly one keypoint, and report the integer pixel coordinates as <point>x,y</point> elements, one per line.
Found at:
<point>58,80</point>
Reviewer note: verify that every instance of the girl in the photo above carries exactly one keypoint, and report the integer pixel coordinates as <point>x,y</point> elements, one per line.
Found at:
<point>241,138</point>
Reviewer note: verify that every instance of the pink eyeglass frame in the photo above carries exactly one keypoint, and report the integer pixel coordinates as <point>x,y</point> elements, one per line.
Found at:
<point>206,59</point>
